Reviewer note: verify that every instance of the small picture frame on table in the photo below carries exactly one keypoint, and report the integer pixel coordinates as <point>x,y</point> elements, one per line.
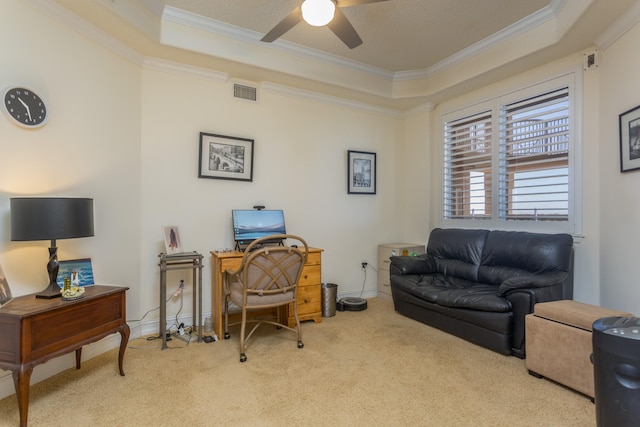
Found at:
<point>630,140</point>
<point>361,172</point>
<point>172,242</point>
<point>79,271</point>
<point>5,291</point>
<point>225,157</point>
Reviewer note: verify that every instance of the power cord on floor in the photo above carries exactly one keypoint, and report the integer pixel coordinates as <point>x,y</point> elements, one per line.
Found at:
<point>180,327</point>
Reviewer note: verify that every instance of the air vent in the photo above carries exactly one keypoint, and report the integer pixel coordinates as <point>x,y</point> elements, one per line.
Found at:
<point>248,93</point>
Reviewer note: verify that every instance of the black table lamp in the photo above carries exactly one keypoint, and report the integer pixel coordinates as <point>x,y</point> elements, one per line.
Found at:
<point>51,218</point>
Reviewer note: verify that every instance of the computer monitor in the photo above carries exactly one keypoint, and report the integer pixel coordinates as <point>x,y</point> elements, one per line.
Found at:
<point>249,225</point>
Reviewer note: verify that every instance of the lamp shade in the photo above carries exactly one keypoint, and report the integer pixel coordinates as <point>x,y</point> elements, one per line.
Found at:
<point>51,218</point>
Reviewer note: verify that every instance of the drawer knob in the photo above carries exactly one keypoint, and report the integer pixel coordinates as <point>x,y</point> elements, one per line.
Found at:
<point>306,301</point>
<point>305,276</point>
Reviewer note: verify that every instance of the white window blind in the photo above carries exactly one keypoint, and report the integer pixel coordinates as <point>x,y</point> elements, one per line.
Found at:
<point>468,171</point>
<point>534,158</point>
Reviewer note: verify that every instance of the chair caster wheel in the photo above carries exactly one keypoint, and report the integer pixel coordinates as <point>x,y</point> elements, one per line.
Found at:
<point>227,335</point>
<point>243,358</point>
<point>300,344</point>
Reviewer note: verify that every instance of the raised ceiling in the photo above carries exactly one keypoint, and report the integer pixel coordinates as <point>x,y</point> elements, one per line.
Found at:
<point>414,53</point>
<point>398,35</point>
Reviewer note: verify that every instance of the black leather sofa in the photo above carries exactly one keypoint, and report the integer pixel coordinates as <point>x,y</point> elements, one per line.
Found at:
<point>480,284</point>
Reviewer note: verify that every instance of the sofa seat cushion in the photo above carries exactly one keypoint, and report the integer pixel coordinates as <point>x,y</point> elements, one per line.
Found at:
<point>454,292</point>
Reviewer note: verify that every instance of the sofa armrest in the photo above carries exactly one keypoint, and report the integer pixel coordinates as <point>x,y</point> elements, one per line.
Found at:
<point>532,281</point>
<point>421,264</point>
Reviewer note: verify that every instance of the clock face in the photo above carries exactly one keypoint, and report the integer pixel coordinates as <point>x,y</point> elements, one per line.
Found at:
<point>25,107</point>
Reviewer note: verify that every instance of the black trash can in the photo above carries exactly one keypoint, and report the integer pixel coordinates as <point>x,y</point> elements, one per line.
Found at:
<point>616,369</point>
<point>329,297</point>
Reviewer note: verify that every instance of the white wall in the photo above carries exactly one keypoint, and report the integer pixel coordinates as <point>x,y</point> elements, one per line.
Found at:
<point>619,192</point>
<point>299,165</point>
<point>89,148</point>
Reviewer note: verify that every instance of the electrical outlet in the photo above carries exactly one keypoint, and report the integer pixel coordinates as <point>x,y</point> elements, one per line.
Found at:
<point>364,265</point>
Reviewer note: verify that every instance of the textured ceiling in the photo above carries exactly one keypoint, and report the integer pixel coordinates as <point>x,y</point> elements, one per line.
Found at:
<point>398,35</point>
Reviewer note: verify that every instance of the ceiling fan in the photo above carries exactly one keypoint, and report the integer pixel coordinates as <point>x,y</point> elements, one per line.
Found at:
<point>320,13</point>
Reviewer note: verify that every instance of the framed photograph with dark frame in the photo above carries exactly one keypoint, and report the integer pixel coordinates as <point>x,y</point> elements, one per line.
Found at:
<point>79,271</point>
<point>225,157</point>
<point>630,140</point>
<point>361,172</point>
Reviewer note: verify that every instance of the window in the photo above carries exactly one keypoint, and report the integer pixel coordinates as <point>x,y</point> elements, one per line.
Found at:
<point>510,158</point>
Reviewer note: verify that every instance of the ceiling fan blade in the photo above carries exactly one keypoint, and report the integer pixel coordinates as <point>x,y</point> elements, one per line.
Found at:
<point>283,26</point>
<point>342,28</point>
<point>348,3</point>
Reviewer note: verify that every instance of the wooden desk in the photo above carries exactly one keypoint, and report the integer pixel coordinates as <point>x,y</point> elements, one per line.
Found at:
<point>34,330</point>
<point>309,293</point>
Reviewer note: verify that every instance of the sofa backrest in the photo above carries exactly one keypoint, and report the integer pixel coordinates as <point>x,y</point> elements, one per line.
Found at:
<point>516,253</point>
<point>458,252</point>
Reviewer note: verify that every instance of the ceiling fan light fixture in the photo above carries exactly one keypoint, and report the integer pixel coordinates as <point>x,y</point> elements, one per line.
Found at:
<point>318,12</point>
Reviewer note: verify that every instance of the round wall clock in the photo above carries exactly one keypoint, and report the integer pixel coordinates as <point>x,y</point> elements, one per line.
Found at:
<point>25,107</point>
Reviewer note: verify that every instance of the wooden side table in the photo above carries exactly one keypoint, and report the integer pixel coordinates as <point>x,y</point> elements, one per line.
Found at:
<point>34,330</point>
<point>187,260</point>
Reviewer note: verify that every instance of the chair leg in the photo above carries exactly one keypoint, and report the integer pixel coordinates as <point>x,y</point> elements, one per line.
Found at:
<point>226,317</point>
<point>298,328</point>
<point>243,357</point>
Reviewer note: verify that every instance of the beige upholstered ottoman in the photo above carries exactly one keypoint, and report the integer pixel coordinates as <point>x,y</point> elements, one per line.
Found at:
<point>558,342</point>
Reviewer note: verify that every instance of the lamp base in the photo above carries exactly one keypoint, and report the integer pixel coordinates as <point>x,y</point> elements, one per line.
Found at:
<point>52,291</point>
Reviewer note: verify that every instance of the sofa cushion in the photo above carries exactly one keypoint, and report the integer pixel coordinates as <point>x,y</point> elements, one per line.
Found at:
<point>453,292</point>
<point>534,252</point>
<point>479,297</point>
<point>458,252</point>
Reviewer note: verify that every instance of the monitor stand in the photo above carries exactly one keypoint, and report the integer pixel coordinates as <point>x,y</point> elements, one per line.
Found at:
<point>276,242</point>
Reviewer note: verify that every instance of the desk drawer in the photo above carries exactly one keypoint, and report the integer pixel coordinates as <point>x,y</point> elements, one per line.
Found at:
<point>309,299</point>
<point>313,259</point>
<point>310,275</point>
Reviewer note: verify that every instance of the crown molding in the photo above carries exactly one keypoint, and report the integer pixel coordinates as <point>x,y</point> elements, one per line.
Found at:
<point>183,69</point>
<point>316,96</point>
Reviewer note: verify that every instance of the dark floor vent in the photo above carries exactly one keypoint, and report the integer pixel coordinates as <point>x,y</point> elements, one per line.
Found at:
<point>245,92</point>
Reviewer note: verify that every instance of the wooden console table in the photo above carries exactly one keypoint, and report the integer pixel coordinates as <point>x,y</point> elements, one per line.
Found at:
<point>309,291</point>
<point>34,330</point>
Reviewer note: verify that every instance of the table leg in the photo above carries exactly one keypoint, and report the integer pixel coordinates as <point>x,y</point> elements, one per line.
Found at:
<point>124,340</point>
<point>21,380</point>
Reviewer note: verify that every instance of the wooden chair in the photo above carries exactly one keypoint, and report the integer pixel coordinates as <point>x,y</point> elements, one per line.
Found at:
<point>267,278</point>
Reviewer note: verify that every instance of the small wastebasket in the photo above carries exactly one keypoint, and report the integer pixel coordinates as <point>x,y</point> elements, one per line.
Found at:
<point>329,297</point>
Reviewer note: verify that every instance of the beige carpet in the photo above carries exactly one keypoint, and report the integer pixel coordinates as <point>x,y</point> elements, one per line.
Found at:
<point>369,368</point>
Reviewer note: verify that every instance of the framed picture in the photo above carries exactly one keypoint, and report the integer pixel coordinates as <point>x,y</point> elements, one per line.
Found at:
<point>225,157</point>
<point>78,270</point>
<point>361,172</point>
<point>172,242</point>
<point>630,140</point>
<point>5,291</point>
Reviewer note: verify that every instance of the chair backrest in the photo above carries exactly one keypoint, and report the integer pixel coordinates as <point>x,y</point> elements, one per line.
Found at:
<point>269,270</point>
